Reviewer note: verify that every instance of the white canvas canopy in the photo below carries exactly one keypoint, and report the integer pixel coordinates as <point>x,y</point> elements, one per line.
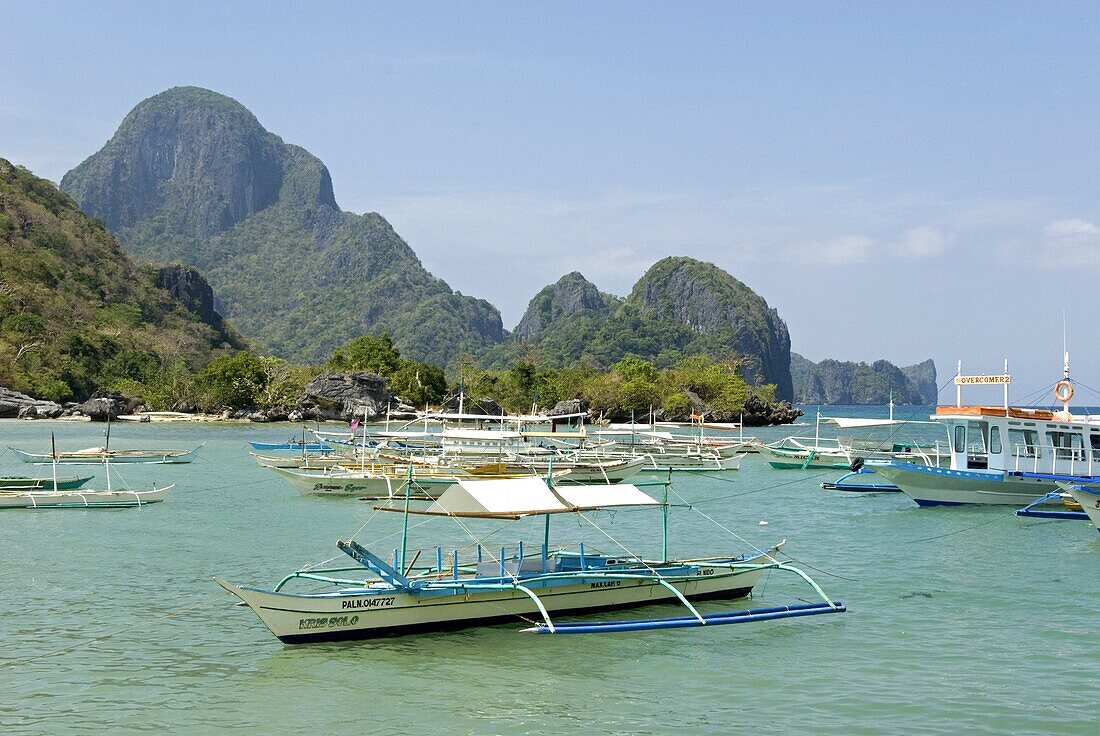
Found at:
<point>857,422</point>
<point>515,497</point>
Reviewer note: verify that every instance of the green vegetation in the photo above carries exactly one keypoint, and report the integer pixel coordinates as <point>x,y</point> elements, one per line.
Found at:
<point>632,386</point>
<point>77,314</point>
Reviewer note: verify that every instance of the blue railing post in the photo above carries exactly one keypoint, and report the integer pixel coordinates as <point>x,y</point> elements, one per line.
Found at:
<point>454,564</point>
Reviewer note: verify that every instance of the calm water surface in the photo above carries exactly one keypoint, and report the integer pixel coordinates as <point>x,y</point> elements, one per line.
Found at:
<point>960,620</point>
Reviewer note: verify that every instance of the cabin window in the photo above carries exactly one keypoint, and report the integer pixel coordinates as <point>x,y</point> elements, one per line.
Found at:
<point>1094,440</point>
<point>1024,442</point>
<point>1067,445</point>
<point>995,440</point>
<point>960,438</point>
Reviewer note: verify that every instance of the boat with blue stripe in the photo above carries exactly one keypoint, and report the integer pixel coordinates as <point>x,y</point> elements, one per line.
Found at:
<point>439,589</point>
<point>1003,454</point>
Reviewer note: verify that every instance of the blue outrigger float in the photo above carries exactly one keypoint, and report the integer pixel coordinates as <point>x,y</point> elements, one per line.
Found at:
<point>528,582</point>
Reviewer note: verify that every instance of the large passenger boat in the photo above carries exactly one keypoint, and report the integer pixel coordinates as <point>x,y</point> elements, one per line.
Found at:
<point>1003,454</point>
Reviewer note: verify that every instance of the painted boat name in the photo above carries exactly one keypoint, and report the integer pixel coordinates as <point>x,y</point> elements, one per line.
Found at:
<point>368,603</point>
<point>327,622</point>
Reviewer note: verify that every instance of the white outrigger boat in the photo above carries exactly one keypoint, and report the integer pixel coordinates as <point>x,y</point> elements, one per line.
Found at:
<point>100,455</point>
<point>81,498</point>
<point>56,496</point>
<point>817,452</point>
<point>380,597</point>
<point>1003,455</point>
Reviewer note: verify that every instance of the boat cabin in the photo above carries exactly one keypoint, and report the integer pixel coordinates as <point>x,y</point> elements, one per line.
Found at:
<point>1021,440</point>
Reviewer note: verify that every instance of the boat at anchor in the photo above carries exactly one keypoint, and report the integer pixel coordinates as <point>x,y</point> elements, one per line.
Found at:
<point>520,582</point>
<point>1003,455</point>
<point>100,455</point>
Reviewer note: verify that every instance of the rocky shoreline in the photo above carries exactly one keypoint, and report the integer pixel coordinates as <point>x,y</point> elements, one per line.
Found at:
<point>342,396</point>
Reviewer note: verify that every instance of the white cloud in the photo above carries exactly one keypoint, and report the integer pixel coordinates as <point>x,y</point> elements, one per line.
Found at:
<point>837,251</point>
<point>1074,228</point>
<point>924,242</point>
<point>1074,241</point>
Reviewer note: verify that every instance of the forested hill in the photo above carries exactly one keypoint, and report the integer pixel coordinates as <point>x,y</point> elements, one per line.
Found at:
<point>680,307</point>
<point>192,176</point>
<point>844,382</point>
<point>77,312</point>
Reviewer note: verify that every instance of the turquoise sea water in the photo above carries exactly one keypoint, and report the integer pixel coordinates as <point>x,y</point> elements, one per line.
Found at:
<point>961,620</point>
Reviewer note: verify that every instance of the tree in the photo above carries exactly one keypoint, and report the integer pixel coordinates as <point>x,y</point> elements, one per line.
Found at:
<point>368,353</point>
<point>233,380</point>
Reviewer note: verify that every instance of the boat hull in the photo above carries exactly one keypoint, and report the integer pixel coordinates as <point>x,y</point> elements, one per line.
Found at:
<point>791,459</point>
<point>77,499</point>
<point>127,457</point>
<point>299,619</point>
<point>350,485</point>
<point>1090,504</point>
<point>19,483</point>
<point>935,486</point>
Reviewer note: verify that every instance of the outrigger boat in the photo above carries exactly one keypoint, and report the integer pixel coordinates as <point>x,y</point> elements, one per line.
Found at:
<point>380,597</point>
<point>23,483</point>
<point>100,455</point>
<point>1003,454</point>
<point>53,496</point>
<point>817,452</point>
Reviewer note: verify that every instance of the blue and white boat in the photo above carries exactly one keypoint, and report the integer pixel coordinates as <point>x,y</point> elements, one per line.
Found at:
<point>291,446</point>
<point>394,595</point>
<point>1003,454</point>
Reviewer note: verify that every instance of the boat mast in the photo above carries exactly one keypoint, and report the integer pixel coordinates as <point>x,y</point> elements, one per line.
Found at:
<point>664,519</point>
<point>107,452</point>
<point>405,519</point>
<point>53,455</point>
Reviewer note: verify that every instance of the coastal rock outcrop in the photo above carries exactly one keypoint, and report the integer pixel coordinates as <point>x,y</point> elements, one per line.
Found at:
<point>191,176</point>
<point>760,413</point>
<point>345,396</point>
<point>107,406</point>
<point>15,404</point>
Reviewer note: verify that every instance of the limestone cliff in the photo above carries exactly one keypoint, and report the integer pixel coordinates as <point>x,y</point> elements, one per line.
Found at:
<point>191,176</point>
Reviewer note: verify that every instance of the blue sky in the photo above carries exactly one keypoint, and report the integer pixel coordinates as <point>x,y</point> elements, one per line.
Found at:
<point>898,180</point>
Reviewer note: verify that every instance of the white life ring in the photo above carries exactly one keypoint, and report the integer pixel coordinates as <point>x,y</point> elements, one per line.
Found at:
<point>1063,391</point>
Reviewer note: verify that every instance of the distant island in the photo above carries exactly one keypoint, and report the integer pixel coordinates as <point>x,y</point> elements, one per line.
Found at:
<point>840,382</point>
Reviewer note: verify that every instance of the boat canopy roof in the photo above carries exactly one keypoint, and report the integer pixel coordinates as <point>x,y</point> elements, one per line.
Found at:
<point>502,418</point>
<point>857,422</point>
<point>517,497</point>
<point>480,434</point>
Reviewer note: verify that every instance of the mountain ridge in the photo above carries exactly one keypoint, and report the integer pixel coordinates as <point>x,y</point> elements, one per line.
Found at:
<point>847,382</point>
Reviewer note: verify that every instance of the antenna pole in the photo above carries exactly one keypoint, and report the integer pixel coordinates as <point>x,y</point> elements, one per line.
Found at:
<point>958,386</point>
